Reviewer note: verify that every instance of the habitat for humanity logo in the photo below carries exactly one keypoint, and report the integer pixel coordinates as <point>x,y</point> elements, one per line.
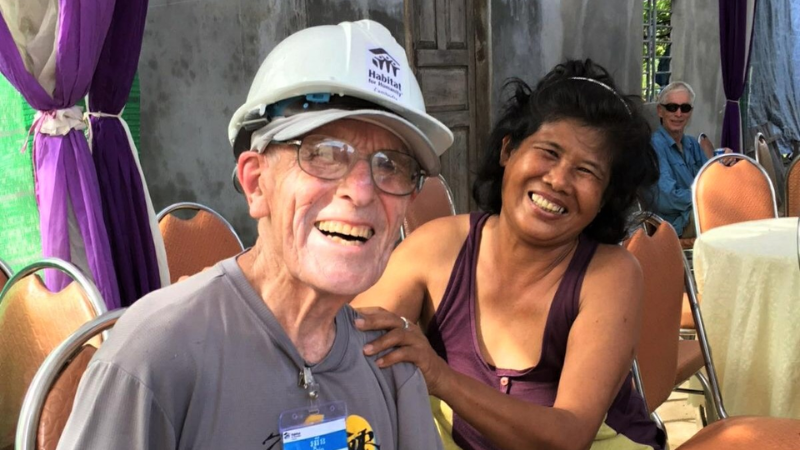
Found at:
<point>384,73</point>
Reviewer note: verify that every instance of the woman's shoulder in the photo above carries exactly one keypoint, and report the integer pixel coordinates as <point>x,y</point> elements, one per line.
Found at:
<point>439,234</point>
<point>612,264</point>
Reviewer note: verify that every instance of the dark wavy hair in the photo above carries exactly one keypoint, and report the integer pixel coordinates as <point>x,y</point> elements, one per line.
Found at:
<point>559,96</point>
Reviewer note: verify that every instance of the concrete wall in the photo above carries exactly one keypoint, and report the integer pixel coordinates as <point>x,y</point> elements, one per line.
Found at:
<point>695,60</point>
<point>529,37</point>
<point>198,60</point>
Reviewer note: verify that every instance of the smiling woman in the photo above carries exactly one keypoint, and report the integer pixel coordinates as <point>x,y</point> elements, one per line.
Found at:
<point>531,309</point>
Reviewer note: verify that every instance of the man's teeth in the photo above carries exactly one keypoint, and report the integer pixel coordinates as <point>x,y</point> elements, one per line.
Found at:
<point>339,231</point>
<point>545,204</point>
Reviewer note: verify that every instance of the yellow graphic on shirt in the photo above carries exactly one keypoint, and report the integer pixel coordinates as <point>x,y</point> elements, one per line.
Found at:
<point>360,435</point>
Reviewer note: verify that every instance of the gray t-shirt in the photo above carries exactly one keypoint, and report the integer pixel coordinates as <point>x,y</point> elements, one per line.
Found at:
<point>204,364</point>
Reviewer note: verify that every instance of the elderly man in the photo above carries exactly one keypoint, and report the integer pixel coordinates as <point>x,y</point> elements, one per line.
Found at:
<point>260,351</point>
<point>679,158</point>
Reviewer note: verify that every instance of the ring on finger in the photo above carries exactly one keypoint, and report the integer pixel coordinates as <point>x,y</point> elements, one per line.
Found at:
<point>405,322</point>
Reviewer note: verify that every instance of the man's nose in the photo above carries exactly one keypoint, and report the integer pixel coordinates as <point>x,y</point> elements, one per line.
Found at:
<point>357,185</point>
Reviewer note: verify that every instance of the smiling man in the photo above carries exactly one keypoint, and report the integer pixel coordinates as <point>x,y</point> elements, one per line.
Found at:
<point>260,351</point>
<point>679,157</point>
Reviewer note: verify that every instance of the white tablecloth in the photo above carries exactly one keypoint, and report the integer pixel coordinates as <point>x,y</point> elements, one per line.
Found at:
<point>749,279</point>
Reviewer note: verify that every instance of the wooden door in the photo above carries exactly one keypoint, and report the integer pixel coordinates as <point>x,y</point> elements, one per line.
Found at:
<point>447,47</point>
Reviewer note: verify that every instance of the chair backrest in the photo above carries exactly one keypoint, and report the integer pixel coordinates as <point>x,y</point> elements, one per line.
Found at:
<point>731,188</point>
<point>48,402</point>
<point>763,157</point>
<point>706,145</point>
<point>433,201</point>
<point>196,243</point>
<point>791,199</point>
<point>655,245</point>
<point>33,321</point>
<point>650,113</point>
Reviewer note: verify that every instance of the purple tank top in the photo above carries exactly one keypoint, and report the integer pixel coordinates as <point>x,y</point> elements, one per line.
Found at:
<point>452,334</point>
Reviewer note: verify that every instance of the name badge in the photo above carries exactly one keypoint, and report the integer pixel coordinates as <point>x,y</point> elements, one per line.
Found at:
<point>315,428</point>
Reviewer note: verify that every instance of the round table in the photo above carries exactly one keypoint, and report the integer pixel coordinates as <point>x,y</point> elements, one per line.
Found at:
<point>749,281</point>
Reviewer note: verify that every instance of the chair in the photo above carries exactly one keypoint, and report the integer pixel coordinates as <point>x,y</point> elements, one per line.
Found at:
<point>724,193</point>
<point>791,190</point>
<point>33,321</point>
<point>656,247</point>
<point>433,201</point>
<point>772,164</point>
<point>706,145</point>
<point>663,361</point>
<point>48,402</point>
<point>196,243</point>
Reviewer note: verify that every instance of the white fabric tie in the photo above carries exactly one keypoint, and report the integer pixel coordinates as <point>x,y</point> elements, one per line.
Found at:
<point>59,122</point>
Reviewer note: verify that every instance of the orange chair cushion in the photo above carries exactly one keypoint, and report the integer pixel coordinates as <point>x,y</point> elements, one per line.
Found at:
<point>58,402</point>
<point>33,322</point>
<point>660,258</point>
<point>196,243</point>
<point>722,201</point>
<point>747,433</point>
<point>690,360</point>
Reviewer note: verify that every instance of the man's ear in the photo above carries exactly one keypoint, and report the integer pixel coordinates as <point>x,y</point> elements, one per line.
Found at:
<point>505,152</point>
<point>249,169</point>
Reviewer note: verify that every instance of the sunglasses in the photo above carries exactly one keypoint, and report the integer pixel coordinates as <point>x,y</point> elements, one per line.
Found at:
<point>673,107</point>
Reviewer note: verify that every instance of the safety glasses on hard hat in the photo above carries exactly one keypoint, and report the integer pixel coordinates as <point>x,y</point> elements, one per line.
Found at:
<point>392,171</point>
<point>673,107</point>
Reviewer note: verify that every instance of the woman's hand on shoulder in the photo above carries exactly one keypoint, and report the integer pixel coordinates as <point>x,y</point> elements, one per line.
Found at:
<point>405,342</point>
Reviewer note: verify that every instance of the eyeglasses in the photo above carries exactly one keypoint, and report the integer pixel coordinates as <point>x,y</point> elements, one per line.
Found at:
<point>673,107</point>
<point>393,172</point>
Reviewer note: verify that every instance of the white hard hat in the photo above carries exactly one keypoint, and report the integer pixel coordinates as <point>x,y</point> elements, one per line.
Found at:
<point>333,65</point>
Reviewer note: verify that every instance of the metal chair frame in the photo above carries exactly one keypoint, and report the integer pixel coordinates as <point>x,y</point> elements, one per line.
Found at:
<point>6,270</point>
<point>198,207</point>
<point>88,287</point>
<point>714,160</point>
<point>42,382</point>
<point>450,201</point>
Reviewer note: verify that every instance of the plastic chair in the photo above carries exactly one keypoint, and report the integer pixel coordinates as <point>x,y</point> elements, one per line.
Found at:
<point>433,201</point>
<point>196,243</point>
<point>791,190</point>
<point>33,321</point>
<point>48,402</point>
<point>723,194</point>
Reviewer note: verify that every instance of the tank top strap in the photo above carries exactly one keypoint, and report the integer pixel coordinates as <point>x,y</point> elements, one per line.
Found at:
<point>454,306</point>
<point>565,305</point>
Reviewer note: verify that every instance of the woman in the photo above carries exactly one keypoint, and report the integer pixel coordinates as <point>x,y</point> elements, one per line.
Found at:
<point>532,310</point>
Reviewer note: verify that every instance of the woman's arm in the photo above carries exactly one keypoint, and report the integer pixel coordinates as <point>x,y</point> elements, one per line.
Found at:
<point>600,350</point>
<point>421,263</point>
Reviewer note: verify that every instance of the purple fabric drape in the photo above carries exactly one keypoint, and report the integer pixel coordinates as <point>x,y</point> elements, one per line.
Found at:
<point>124,206</point>
<point>64,167</point>
<point>734,51</point>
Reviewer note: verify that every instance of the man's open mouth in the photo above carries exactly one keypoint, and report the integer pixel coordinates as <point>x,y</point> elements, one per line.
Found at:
<point>343,233</point>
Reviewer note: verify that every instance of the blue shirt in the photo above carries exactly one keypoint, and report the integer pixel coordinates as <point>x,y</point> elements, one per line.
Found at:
<point>678,169</point>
